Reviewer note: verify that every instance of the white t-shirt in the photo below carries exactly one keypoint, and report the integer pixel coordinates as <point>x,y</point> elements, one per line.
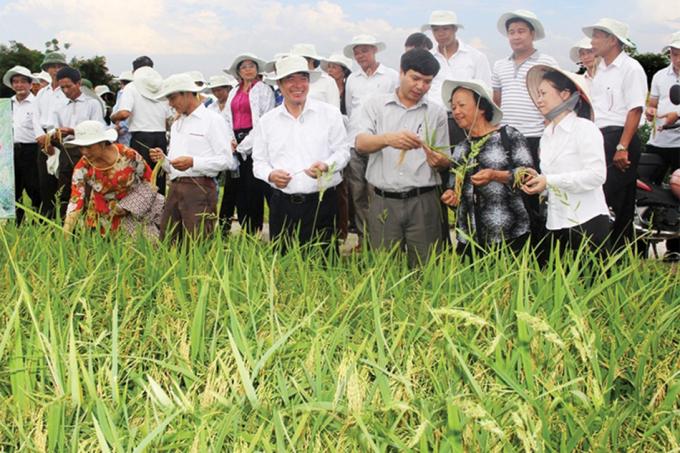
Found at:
<point>145,115</point>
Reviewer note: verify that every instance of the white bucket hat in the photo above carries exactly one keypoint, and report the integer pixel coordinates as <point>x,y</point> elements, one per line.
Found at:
<point>125,76</point>
<point>101,90</point>
<point>525,15</point>
<point>574,51</point>
<point>362,40</point>
<point>611,26</point>
<point>674,42</point>
<point>177,83</point>
<point>148,82</point>
<point>337,59</point>
<point>16,70</point>
<point>90,132</point>
<point>225,80</point>
<point>535,76</point>
<point>476,85</point>
<point>441,18</point>
<point>197,77</point>
<point>243,57</point>
<point>306,50</point>
<point>42,75</point>
<point>292,64</point>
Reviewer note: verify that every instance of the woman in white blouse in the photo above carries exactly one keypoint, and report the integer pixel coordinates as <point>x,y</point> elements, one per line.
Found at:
<point>572,165</point>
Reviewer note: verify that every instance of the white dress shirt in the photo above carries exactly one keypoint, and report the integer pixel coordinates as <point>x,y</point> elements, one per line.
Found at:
<point>49,101</point>
<point>572,159</point>
<point>145,115</point>
<point>262,100</point>
<point>325,89</point>
<point>76,111</point>
<point>283,142</point>
<point>202,135</point>
<point>359,87</point>
<point>467,63</point>
<point>25,121</point>
<point>617,89</point>
<point>661,85</point>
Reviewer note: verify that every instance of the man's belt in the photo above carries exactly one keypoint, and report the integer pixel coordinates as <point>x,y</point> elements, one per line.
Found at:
<point>404,195</point>
<point>200,180</point>
<point>302,198</point>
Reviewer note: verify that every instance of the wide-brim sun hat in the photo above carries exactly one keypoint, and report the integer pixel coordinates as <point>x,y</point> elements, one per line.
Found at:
<point>535,76</point>
<point>16,70</point>
<point>90,132</point>
<point>362,40</point>
<point>101,90</point>
<point>225,80</point>
<point>53,58</point>
<point>42,75</point>
<point>306,50</point>
<point>125,76</point>
<point>611,26</point>
<point>289,65</point>
<point>177,83</point>
<point>338,59</point>
<point>232,70</point>
<point>526,16</point>
<point>441,18</point>
<point>576,48</point>
<point>674,42</point>
<point>476,85</point>
<point>148,82</point>
<point>197,77</point>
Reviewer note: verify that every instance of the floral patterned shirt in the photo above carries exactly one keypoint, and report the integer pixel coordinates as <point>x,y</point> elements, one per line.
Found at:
<point>107,187</point>
<point>496,211</point>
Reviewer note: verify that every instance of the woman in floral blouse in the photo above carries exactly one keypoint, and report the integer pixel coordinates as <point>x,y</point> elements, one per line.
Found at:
<point>103,177</point>
<point>490,209</point>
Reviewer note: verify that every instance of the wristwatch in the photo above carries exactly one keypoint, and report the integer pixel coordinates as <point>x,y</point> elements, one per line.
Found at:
<point>620,147</point>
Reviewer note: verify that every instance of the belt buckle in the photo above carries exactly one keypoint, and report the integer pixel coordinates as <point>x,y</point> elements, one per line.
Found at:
<point>297,199</point>
<point>404,195</point>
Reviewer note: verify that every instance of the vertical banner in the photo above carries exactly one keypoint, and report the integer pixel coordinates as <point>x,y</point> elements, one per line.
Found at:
<point>7,206</point>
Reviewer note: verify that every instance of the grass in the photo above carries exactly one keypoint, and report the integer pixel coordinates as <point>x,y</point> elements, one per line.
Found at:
<point>124,345</point>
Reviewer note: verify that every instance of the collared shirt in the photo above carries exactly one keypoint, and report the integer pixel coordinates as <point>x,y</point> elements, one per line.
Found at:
<point>467,63</point>
<point>617,89</point>
<point>202,135</point>
<point>360,86</point>
<point>49,101</point>
<point>145,115</point>
<point>662,82</point>
<point>572,159</point>
<point>283,142</point>
<point>386,170</point>
<point>25,121</point>
<point>519,110</point>
<point>325,89</point>
<point>76,111</point>
<point>222,111</point>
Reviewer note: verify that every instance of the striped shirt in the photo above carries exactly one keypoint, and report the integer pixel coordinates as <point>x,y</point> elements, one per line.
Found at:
<point>519,110</point>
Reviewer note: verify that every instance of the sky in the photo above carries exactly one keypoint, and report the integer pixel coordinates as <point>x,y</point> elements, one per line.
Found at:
<point>206,35</point>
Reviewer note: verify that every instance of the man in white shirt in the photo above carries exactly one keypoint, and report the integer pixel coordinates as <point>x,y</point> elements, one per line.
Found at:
<point>300,148</point>
<point>25,126</point>
<point>199,149</point>
<point>372,78</point>
<point>666,141</point>
<point>618,93</point>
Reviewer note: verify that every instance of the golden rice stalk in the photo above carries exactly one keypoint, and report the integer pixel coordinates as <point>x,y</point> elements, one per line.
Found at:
<point>480,416</point>
<point>541,326</point>
<point>465,316</point>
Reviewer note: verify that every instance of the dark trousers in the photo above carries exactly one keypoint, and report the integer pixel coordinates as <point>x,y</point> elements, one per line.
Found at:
<point>48,185</point>
<point>26,175</point>
<point>228,204</point>
<point>190,208</point>
<point>343,209</point>
<point>671,158</point>
<point>303,217</point>
<point>150,140</point>
<point>68,158</point>
<point>595,232</point>
<point>619,188</point>
<point>250,196</point>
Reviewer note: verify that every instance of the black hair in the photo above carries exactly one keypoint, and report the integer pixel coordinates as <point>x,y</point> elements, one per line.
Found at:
<point>30,79</point>
<point>483,103</point>
<point>419,60</point>
<point>418,41</point>
<point>141,62</point>
<point>315,62</point>
<point>560,81</point>
<point>518,19</point>
<point>68,72</point>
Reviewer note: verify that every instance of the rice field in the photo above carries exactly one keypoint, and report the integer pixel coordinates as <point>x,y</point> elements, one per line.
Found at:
<point>123,345</point>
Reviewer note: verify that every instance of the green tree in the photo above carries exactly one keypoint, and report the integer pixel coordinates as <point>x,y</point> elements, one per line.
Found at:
<point>17,54</point>
<point>651,62</point>
<point>94,69</point>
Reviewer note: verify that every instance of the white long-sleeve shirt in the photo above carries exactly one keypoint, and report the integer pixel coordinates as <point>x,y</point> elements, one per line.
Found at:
<point>360,87</point>
<point>145,115</point>
<point>283,142</point>
<point>325,89</point>
<point>49,101</point>
<point>573,161</point>
<point>202,135</point>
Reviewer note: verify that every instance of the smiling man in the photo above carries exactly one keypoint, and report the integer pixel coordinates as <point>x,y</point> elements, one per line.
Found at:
<point>300,149</point>
<point>394,132</point>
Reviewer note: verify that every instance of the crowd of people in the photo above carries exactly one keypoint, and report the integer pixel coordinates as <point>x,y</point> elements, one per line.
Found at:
<point>521,150</point>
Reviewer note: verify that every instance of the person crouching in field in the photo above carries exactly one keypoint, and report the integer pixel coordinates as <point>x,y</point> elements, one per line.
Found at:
<point>300,149</point>
<point>199,149</point>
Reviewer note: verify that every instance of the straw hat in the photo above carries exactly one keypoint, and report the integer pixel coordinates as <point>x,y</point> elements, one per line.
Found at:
<point>306,50</point>
<point>476,85</point>
<point>90,132</point>
<point>574,51</point>
<point>611,26</point>
<point>241,58</point>
<point>148,82</point>
<point>177,83</point>
<point>674,42</point>
<point>222,81</point>
<point>337,59</point>
<point>125,76</point>
<point>535,76</point>
<point>16,70</point>
<point>438,18</point>
<point>42,75</point>
<point>53,58</point>
<point>362,40</point>
<point>525,15</point>
<point>292,65</point>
